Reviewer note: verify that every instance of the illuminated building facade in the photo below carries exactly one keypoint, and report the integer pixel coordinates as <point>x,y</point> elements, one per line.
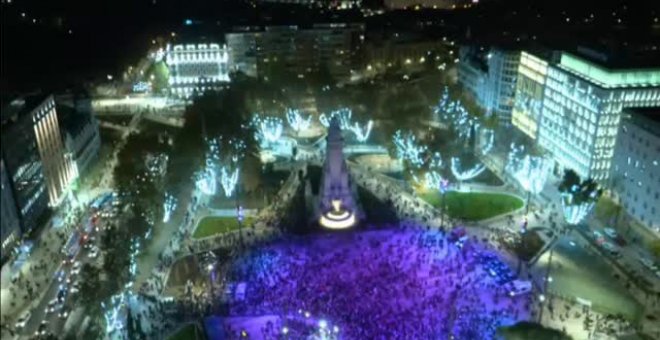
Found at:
<point>490,76</point>
<point>581,108</point>
<point>528,100</point>
<point>196,68</point>
<point>299,51</point>
<point>39,169</point>
<point>10,231</point>
<point>635,175</point>
<point>436,4</point>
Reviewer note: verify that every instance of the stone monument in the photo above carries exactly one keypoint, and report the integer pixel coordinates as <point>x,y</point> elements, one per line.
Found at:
<point>337,205</point>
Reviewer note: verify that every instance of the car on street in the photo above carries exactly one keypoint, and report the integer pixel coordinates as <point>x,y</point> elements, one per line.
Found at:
<point>64,313</point>
<point>93,253</point>
<point>23,320</point>
<point>598,236</point>
<point>76,268</point>
<point>52,306</point>
<point>42,330</point>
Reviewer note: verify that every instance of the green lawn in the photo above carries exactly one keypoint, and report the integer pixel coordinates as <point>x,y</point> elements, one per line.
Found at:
<point>473,206</point>
<point>188,332</point>
<point>212,225</point>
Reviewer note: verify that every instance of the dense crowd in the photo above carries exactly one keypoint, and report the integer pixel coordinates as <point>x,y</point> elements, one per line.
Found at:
<point>378,284</point>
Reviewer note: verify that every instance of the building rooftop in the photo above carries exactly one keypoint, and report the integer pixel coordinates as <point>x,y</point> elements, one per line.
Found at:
<point>609,77</point>
<point>19,106</point>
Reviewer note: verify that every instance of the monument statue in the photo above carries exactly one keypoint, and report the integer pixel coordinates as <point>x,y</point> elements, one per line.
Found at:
<point>337,206</point>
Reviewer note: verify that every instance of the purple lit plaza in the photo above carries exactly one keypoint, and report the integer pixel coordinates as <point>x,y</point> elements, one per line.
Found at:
<point>383,284</point>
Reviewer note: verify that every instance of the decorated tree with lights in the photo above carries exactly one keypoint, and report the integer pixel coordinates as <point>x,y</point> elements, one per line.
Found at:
<point>268,130</point>
<point>169,205</point>
<point>409,149</point>
<point>361,132</point>
<point>296,120</point>
<point>578,197</point>
<point>530,171</point>
<point>344,115</point>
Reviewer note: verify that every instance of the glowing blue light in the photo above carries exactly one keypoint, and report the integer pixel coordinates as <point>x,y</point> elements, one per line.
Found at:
<point>575,213</point>
<point>489,136</point>
<point>465,174</point>
<point>206,182</point>
<point>362,133</point>
<point>188,22</point>
<point>168,207</point>
<point>268,129</point>
<point>435,162</point>
<point>530,171</point>
<point>296,120</point>
<point>433,180</point>
<point>228,179</point>
<point>407,148</point>
<point>344,115</point>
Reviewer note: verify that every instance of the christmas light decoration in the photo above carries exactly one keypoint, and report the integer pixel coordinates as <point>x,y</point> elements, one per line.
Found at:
<point>268,130</point>
<point>228,180</point>
<point>464,175</point>
<point>296,120</point>
<point>344,115</point>
<point>407,148</point>
<point>168,207</point>
<point>361,133</point>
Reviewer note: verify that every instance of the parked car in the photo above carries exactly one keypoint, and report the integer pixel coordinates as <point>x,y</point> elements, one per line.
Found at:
<point>52,305</point>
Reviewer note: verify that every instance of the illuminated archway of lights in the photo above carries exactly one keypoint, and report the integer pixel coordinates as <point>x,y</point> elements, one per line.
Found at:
<point>168,207</point>
<point>268,129</point>
<point>464,175</point>
<point>229,179</point>
<point>530,171</point>
<point>296,120</point>
<point>362,133</point>
<point>407,148</point>
<point>344,115</point>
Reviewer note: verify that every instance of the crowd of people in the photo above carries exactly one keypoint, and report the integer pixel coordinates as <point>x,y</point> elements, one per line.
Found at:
<point>377,284</point>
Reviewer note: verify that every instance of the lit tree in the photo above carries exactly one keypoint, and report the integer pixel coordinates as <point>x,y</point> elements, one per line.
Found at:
<point>577,197</point>
<point>168,207</point>
<point>409,149</point>
<point>531,172</point>
<point>296,120</point>
<point>464,175</point>
<point>229,179</point>
<point>344,115</point>
<point>361,132</point>
<point>268,130</point>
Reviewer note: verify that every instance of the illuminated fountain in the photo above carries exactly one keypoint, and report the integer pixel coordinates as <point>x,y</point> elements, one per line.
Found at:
<point>337,208</point>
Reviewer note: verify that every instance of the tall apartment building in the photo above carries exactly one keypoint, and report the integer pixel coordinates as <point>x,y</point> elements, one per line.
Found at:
<point>299,51</point>
<point>576,116</point>
<point>39,168</point>
<point>490,75</point>
<point>436,4</point>
<point>10,231</point>
<point>635,175</point>
<point>196,67</point>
